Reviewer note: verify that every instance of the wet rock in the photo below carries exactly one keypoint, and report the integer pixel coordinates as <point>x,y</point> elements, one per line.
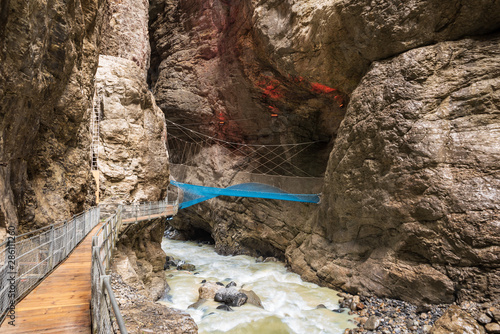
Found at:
<point>338,310</point>
<point>207,290</point>
<point>270,259</point>
<point>493,328</point>
<point>197,304</point>
<point>252,298</point>
<point>372,323</point>
<point>225,308</point>
<point>187,267</point>
<point>231,297</point>
<point>219,283</point>
<point>455,320</point>
<point>320,306</point>
<point>259,259</point>
<point>231,284</point>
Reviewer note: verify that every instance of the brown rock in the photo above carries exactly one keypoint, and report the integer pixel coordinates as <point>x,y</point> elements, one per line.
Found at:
<point>207,290</point>
<point>413,194</point>
<point>133,160</point>
<point>253,298</point>
<point>493,328</point>
<point>495,313</point>
<point>48,57</point>
<point>372,323</point>
<point>456,321</point>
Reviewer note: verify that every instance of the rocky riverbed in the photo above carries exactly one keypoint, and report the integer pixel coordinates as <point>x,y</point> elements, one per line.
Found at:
<point>391,316</point>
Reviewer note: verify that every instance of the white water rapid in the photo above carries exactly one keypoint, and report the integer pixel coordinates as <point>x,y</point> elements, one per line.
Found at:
<point>289,303</point>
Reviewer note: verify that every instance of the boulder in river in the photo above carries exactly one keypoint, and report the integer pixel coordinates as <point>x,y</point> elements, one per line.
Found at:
<point>197,304</point>
<point>231,284</point>
<point>207,290</point>
<point>252,298</point>
<point>186,266</point>
<point>224,308</point>
<point>231,297</point>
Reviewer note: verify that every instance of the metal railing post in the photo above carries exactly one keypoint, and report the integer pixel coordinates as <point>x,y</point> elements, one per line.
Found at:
<point>51,247</point>
<point>74,234</point>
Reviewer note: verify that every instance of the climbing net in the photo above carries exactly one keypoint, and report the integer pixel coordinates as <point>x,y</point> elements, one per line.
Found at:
<point>189,147</point>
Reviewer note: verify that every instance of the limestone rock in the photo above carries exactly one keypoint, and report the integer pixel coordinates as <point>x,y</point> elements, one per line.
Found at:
<point>48,56</point>
<point>207,290</point>
<point>253,298</point>
<point>139,258</point>
<point>493,328</point>
<point>125,32</point>
<point>336,41</point>
<point>372,323</point>
<point>133,159</point>
<point>456,321</point>
<point>410,178</point>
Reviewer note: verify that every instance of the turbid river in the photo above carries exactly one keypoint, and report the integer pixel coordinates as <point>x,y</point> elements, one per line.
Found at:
<point>289,302</point>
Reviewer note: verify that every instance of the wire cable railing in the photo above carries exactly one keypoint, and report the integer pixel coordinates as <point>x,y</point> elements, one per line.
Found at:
<point>26,259</point>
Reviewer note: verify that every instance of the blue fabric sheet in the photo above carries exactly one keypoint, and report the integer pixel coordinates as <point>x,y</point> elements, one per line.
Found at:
<point>196,194</point>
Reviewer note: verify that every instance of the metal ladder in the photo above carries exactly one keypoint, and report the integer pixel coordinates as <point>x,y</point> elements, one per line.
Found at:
<point>94,131</point>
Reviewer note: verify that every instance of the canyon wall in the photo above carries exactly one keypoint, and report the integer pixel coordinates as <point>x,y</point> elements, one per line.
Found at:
<point>133,161</point>
<point>411,192</point>
<point>48,58</point>
<point>409,206</point>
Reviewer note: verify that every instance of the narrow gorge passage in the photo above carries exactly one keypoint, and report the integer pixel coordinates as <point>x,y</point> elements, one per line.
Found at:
<point>399,101</point>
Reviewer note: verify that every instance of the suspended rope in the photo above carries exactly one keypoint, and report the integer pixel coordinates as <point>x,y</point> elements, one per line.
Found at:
<point>185,146</point>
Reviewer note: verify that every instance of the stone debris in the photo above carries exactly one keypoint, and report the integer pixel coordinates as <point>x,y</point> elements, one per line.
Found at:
<point>389,316</point>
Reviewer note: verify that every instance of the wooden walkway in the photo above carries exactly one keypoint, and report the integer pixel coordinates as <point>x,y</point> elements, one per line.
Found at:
<point>61,303</point>
<point>169,211</point>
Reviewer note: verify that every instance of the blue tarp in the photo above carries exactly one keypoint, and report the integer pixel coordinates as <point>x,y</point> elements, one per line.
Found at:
<point>195,194</point>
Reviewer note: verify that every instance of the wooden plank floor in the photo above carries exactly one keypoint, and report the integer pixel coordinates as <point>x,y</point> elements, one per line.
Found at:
<point>61,303</point>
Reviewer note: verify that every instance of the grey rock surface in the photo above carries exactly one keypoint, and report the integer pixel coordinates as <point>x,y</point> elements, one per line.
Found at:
<point>411,194</point>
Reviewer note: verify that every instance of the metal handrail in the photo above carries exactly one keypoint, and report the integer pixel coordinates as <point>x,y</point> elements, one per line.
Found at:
<point>26,262</point>
<point>106,316</point>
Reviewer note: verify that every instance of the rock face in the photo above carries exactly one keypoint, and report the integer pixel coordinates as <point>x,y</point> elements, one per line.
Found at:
<point>48,57</point>
<point>335,41</point>
<point>139,260</point>
<point>125,31</point>
<point>410,201</point>
<point>409,207</point>
<point>142,315</point>
<point>133,159</point>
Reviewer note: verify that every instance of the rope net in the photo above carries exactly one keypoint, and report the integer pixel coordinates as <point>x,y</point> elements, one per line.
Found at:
<point>186,147</point>
<point>237,169</point>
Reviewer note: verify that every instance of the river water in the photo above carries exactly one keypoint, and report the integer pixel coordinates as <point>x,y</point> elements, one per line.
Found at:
<point>289,303</point>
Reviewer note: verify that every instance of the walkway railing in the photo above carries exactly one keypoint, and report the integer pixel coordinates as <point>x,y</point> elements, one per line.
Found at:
<point>27,258</point>
<point>106,317</point>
